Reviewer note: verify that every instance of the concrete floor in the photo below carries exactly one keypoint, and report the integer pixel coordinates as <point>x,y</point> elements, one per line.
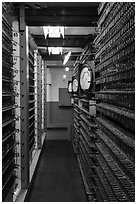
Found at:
<point>57,178</point>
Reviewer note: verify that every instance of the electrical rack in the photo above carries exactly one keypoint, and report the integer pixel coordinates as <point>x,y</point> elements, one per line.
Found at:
<point>8,102</point>
<point>84,143</point>
<point>103,126</point>
<point>115,92</point>
<point>23,104</point>
<point>84,138</point>
<point>31,99</point>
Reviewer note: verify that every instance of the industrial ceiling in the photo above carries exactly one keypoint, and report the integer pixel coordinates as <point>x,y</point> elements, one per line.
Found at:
<point>78,18</point>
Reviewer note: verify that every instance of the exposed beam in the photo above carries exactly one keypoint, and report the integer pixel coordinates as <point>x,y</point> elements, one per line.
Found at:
<point>66,37</point>
<point>63,11</point>
<point>68,41</point>
<point>73,4</point>
<point>61,20</point>
<point>48,57</point>
<point>80,30</point>
<point>60,13</point>
<point>65,49</point>
<point>61,4</point>
<point>59,66</point>
<point>68,30</point>
<point>59,63</point>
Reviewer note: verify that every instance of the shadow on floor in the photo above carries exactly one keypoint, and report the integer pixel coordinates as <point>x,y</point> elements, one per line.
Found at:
<point>57,178</point>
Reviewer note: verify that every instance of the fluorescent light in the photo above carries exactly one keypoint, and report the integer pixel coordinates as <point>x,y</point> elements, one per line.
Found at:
<point>66,57</point>
<point>54,31</point>
<point>55,50</point>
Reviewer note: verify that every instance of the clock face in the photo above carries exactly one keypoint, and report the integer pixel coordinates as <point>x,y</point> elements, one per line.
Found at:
<point>85,78</point>
<point>70,87</point>
<point>75,85</point>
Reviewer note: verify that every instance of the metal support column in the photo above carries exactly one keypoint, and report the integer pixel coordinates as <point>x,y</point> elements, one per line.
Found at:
<point>39,105</point>
<point>42,85</point>
<point>24,101</point>
<point>16,67</point>
<point>45,97</point>
<point>36,95</point>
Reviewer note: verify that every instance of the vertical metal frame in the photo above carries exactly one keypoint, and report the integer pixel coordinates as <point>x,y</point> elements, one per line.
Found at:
<point>8,148</point>
<point>16,65</point>
<point>36,96</point>
<point>42,86</point>
<point>39,102</point>
<point>24,102</point>
<point>45,96</point>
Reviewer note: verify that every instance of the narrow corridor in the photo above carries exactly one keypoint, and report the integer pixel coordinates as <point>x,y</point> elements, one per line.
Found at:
<point>57,178</point>
<point>68,79</point>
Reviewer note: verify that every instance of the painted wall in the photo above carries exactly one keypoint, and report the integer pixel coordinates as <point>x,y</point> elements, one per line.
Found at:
<point>55,78</point>
<point>58,117</point>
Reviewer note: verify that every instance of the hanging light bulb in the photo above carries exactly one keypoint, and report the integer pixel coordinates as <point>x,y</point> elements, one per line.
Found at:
<point>66,69</point>
<point>64,76</point>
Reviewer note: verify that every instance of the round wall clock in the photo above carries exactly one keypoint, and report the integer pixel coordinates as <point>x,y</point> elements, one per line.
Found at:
<point>75,85</point>
<point>85,78</point>
<point>69,86</point>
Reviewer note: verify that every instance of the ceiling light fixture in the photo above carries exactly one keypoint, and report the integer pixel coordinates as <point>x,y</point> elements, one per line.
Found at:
<point>55,50</point>
<point>66,69</point>
<point>54,31</point>
<point>64,76</point>
<point>66,56</point>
